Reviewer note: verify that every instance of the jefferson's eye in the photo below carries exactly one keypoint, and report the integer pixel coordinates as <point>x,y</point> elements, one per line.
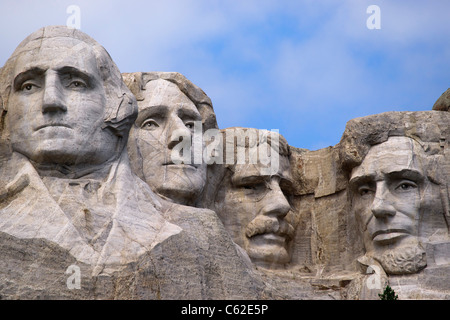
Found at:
<point>189,125</point>
<point>149,124</point>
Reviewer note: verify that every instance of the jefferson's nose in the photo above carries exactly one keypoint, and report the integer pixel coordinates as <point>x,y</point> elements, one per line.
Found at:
<point>382,205</point>
<point>53,100</point>
<point>177,129</point>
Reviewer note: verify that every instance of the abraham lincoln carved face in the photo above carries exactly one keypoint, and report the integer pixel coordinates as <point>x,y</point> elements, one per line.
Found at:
<point>388,190</point>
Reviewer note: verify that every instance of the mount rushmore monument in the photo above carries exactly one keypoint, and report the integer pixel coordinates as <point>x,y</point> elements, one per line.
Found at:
<point>122,186</point>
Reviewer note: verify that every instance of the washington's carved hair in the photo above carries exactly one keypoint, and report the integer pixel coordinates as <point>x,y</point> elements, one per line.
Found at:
<point>121,106</point>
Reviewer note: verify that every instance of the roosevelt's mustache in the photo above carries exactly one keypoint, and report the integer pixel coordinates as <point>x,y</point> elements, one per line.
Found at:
<point>265,224</point>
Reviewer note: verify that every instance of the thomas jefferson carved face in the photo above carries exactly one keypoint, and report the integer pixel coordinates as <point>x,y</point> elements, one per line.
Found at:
<point>388,192</point>
<point>57,104</point>
<point>165,114</point>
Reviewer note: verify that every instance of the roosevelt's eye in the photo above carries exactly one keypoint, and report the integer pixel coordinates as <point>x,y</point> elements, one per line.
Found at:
<point>254,186</point>
<point>364,191</point>
<point>149,124</point>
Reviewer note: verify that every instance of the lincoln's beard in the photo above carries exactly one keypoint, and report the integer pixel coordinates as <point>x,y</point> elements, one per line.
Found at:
<point>403,260</point>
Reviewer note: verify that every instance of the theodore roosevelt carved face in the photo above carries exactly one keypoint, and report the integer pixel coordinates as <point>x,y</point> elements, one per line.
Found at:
<point>253,204</point>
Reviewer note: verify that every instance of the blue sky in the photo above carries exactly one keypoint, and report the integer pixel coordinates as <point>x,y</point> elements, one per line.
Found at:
<point>304,67</point>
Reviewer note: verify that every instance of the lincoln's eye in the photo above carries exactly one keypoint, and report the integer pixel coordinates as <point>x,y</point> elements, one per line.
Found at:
<point>406,186</point>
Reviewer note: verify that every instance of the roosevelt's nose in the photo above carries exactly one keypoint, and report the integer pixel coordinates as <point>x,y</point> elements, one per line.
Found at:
<point>53,99</point>
<point>275,202</point>
<point>382,206</point>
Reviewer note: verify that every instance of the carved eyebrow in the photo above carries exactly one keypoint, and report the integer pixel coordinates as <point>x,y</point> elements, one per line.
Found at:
<point>149,111</point>
<point>409,174</point>
<point>189,113</point>
<point>358,180</point>
<point>240,180</point>
<point>25,75</point>
<point>288,182</point>
<point>86,76</point>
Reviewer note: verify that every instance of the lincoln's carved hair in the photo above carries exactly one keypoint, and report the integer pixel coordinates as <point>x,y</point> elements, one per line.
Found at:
<point>363,133</point>
<point>137,81</point>
<point>121,106</point>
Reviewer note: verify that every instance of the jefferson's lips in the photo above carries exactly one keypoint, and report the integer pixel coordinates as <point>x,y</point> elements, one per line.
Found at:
<point>179,164</point>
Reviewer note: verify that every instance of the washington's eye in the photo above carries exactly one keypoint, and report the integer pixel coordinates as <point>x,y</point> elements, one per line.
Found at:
<point>77,84</point>
<point>27,86</point>
<point>149,124</point>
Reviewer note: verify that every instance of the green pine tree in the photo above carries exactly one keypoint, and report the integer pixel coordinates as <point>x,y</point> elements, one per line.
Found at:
<point>388,294</point>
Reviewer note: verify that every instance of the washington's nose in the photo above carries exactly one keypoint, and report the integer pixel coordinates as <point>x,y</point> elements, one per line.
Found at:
<point>276,203</point>
<point>53,100</point>
<point>382,206</point>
